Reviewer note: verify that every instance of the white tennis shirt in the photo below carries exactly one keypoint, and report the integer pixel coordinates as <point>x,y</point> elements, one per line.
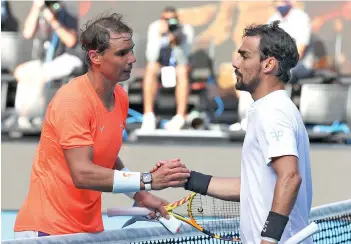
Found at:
<point>275,128</point>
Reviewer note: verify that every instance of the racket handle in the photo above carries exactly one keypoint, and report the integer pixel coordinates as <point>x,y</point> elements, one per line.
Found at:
<point>128,211</point>
<point>172,224</point>
<point>305,233</point>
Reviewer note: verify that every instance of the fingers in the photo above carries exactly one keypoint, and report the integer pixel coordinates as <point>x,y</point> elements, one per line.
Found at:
<point>163,162</point>
<point>164,202</point>
<point>163,212</point>
<point>158,164</point>
<point>178,177</point>
<point>153,169</point>
<point>175,164</point>
<point>179,170</point>
<point>175,160</point>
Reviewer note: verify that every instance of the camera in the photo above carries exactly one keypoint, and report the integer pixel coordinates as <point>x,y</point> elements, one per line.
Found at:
<point>54,6</point>
<point>172,24</point>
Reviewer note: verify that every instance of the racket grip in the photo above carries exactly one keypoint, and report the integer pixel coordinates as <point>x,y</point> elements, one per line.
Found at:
<point>308,231</point>
<point>132,211</point>
<point>172,224</point>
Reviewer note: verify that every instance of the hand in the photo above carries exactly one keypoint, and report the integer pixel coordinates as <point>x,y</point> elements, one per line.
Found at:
<point>162,162</point>
<point>48,15</point>
<point>171,174</point>
<point>145,199</point>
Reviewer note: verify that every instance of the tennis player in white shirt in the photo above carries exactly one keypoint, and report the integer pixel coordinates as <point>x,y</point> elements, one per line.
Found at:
<point>275,188</point>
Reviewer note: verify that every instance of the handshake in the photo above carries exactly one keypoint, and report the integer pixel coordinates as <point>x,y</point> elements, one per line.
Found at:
<point>169,173</point>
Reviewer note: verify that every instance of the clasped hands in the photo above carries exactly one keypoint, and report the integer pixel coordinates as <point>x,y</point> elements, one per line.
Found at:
<point>169,173</point>
<point>166,173</point>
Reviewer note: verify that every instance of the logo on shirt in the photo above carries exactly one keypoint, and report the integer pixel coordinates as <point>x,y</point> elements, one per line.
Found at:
<point>101,128</point>
<point>277,134</point>
<point>121,125</point>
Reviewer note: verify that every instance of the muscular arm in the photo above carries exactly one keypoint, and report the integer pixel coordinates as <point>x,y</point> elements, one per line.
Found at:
<point>287,185</point>
<point>87,175</point>
<point>224,188</point>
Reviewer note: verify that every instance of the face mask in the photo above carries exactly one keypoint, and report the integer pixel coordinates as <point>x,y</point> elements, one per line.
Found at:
<point>284,9</point>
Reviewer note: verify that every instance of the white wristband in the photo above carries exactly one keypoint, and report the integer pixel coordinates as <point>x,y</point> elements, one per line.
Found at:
<point>269,239</point>
<point>126,182</point>
<point>128,194</point>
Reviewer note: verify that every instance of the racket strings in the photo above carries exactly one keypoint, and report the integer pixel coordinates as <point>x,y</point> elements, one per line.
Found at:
<point>216,215</point>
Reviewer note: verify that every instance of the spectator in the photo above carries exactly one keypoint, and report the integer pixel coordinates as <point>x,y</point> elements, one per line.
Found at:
<point>168,47</point>
<point>297,23</point>
<point>55,35</point>
<point>8,21</point>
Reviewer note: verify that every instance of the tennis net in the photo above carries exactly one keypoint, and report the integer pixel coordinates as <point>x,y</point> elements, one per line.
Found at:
<point>334,222</point>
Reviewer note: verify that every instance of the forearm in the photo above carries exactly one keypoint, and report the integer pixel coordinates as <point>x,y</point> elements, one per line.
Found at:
<point>221,188</point>
<point>94,177</point>
<point>286,189</point>
<point>285,193</point>
<point>119,165</point>
<point>31,22</point>
<point>225,188</point>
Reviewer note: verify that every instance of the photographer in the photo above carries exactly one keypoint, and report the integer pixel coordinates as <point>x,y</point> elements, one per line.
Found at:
<point>54,33</point>
<point>168,48</point>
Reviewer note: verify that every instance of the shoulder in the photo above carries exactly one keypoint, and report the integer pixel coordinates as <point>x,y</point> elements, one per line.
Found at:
<point>72,95</point>
<point>300,14</point>
<point>154,25</point>
<point>277,109</point>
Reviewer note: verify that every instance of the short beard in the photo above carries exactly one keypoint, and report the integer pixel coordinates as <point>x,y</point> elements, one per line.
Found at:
<point>250,87</point>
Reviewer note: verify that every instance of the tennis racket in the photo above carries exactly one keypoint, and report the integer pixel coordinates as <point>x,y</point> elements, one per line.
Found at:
<point>216,218</point>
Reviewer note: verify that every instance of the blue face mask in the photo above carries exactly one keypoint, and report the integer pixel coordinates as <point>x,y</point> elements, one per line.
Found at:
<point>284,9</point>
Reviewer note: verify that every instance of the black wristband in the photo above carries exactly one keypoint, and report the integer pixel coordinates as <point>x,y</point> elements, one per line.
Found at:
<point>274,226</point>
<point>198,182</point>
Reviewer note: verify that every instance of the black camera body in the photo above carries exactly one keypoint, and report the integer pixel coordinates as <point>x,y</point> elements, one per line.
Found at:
<point>50,3</point>
<point>173,24</point>
<point>54,6</point>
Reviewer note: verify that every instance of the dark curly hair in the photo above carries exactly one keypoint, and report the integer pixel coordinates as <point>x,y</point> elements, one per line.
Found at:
<point>275,42</point>
<point>96,34</point>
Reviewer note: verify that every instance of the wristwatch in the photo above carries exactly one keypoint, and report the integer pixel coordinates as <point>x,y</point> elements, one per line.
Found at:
<point>146,178</point>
